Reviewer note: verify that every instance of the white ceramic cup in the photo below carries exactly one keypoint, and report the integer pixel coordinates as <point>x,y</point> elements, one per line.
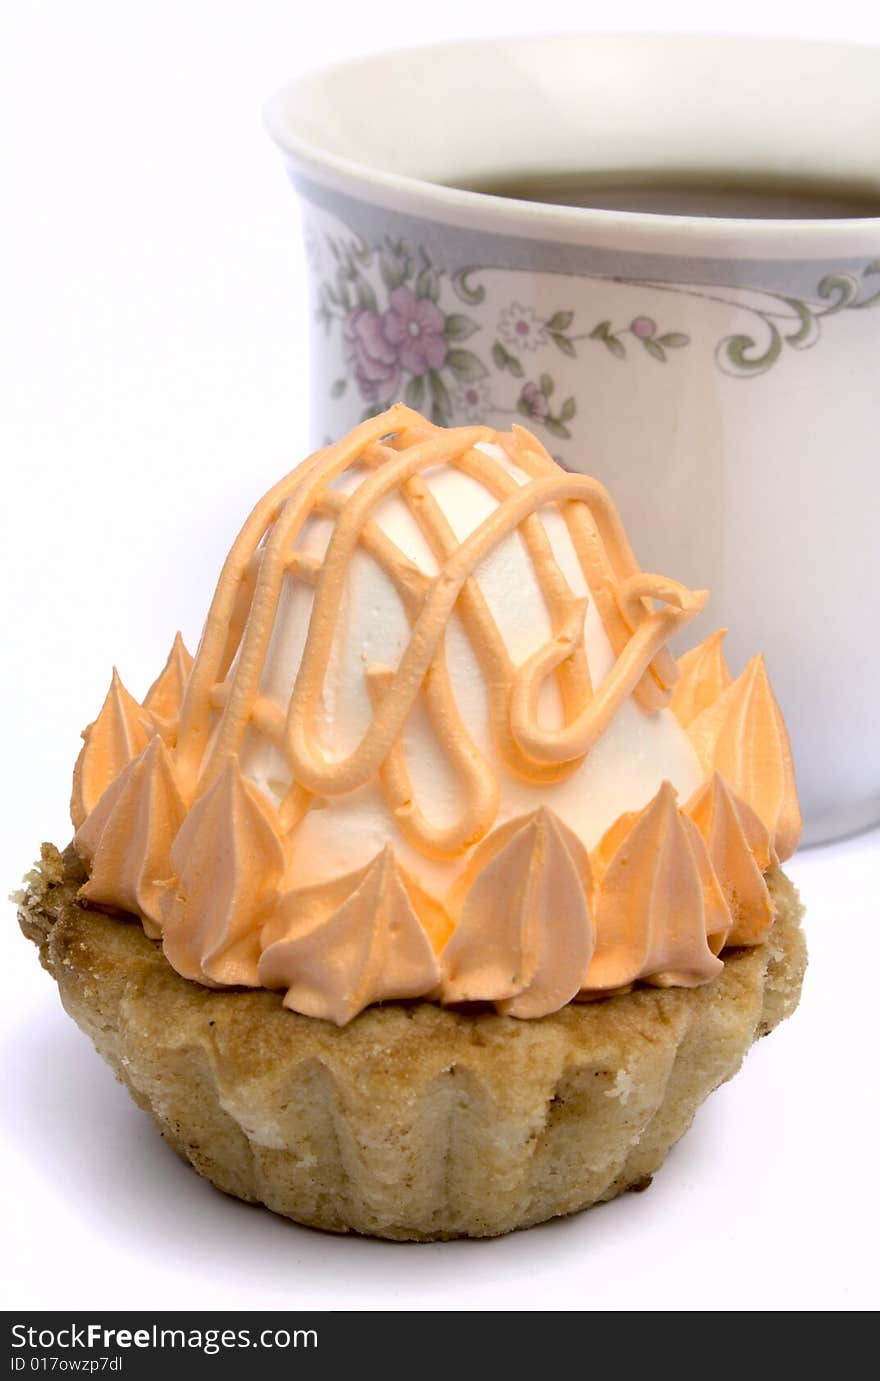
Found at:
<point>721,375</point>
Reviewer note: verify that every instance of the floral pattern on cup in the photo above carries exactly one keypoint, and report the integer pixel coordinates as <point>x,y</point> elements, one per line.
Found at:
<point>409,328</point>
<point>372,359</point>
<point>472,402</point>
<point>535,404</point>
<point>404,336</point>
<point>521,328</point>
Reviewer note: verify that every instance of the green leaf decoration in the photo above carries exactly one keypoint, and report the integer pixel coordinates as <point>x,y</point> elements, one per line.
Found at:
<point>615,345</point>
<point>460,327</point>
<point>393,271</point>
<point>464,291</point>
<point>365,295</point>
<point>514,367</point>
<point>343,295</point>
<point>441,403</point>
<point>558,428</point>
<point>673,340</point>
<point>654,350</point>
<point>428,285</point>
<point>499,355</point>
<point>568,410</point>
<point>414,393</point>
<point>466,366</point>
<point>564,344</point>
<point>600,331</point>
<point>338,388</point>
<point>545,383</point>
<point>523,407</point>
<point>560,321</point>
<point>362,251</point>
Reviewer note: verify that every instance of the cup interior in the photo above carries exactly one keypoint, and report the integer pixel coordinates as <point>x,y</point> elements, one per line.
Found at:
<point>611,109</point>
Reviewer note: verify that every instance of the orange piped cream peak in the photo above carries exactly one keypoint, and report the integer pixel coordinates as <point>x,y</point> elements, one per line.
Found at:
<point>165,696</point>
<point>651,914</point>
<point>118,734</point>
<point>742,735</point>
<point>523,937</point>
<point>736,839</point>
<point>419,633</point>
<point>719,919</point>
<point>340,946</point>
<point>704,674</point>
<point>227,861</point>
<point>127,838</point>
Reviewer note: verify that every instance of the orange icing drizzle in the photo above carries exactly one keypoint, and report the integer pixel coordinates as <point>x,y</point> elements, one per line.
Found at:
<point>243,611</point>
<point>652,692</point>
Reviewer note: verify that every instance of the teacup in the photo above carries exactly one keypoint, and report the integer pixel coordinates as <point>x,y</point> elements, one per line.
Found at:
<point>719,371</point>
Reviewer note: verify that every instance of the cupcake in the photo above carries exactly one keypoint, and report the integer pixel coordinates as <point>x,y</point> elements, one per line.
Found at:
<point>434,895</point>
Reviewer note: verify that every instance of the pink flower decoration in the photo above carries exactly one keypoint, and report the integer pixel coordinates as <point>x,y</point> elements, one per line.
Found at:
<point>414,327</point>
<point>643,328</point>
<point>537,403</point>
<point>373,361</point>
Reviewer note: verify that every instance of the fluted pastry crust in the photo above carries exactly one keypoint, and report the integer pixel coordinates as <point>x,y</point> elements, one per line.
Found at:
<point>414,1121</point>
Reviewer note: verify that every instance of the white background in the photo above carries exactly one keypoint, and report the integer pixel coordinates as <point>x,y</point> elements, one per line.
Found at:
<point>152,385</point>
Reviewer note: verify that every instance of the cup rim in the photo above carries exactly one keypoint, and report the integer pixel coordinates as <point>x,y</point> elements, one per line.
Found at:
<point>542,219</point>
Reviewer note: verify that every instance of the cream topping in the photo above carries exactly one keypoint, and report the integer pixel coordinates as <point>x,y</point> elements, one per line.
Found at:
<point>432,679</point>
